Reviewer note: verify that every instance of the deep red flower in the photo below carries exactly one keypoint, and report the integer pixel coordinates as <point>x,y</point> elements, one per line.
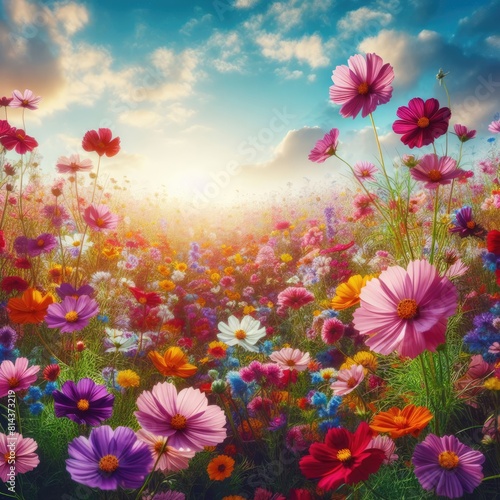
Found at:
<point>18,139</point>
<point>22,263</point>
<point>145,298</point>
<point>421,122</point>
<point>344,457</point>
<point>5,101</point>
<point>101,142</point>
<point>339,247</point>
<point>4,127</point>
<point>11,283</point>
<point>51,372</point>
<point>493,241</point>
<point>2,241</point>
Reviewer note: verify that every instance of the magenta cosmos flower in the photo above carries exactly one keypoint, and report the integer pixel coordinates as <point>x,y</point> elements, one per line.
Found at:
<point>44,243</point>
<point>295,297</point>
<point>365,171</point>
<point>100,218</point>
<point>72,314</point>
<point>27,100</point>
<point>185,418</point>
<point>463,133</point>
<point>406,311</point>
<point>109,459</point>
<point>291,359</point>
<point>73,164</point>
<point>17,452</point>
<point>84,402</point>
<point>435,171</point>
<point>362,85</point>
<point>16,376</point>
<point>325,147</point>
<point>421,122</point>
<point>101,142</point>
<point>447,466</point>
<point>494,127</point>
<point>17,139</point>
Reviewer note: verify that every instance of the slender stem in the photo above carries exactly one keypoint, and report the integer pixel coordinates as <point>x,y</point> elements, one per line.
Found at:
<point>4,208</point>
<point>96,177</point>
<point>453,180</point>
<point>434,225</point>
<point>150,475</point>
<point>449,107</point>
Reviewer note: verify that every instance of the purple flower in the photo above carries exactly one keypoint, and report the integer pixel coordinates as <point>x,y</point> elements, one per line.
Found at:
<point>277,422</point>
<point>464,224</point>
<point>8,337</point>
<point>109,459</point>
<point>21,245</point>
<point>71,314</point>
<point>66,290</point>
<point>56,213</point>
<point>44,243</point>
<point>446,465</point>
<point>84,402</point>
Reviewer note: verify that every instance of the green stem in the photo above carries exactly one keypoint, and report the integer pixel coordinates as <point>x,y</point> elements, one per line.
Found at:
<point>150,475</point>
<point>96,177</point>
<point>434,225</point>
<point>449,107</point>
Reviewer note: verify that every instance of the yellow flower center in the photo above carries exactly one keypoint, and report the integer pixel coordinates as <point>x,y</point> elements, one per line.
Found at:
<point>400,421</point>
<point>407,309</point>
<point>108,463</point>
<point>423,122</point>
<point>240,334</point>
<point>365,173</point>
<point>448,460</point>
<point>142,300</point>
<point>435,175</point>
<point>352,382</point>
<point>7,456</point>
<point>471,224</point>
<point>178,422</point>
<point>83,405</point>
<point>99,222</point>
<point>71,316</point>
<point>40,242</point>
<point>160,445</point>
<point>363,88</point>
<point>13,382</point>
<point>290,362</point>
<point>76,243</point>
<point>344,455</point>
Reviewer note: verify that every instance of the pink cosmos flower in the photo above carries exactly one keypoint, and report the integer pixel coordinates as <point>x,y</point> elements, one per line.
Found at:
<point>332,330</point>
<point>421,122</point>
<point>325,147</point>
<point>100,218</point>
<point>406,311</point>
<point>348,380</point>
<point>362,85</point>
<point>291,359</point>
<point>463,133</point>
<point>73,164</point>
<point>435,171</point>
<point>295,297</point>
<point>186,418</point>
<point>101,142</point>
<point>494,127</point>
<point>16,452</point>
<point>387,445</point>
<point>170,459</point>
<point>364,170</point>
<point>27,100</point>
<point>18,139</point>
<point>16,377</point>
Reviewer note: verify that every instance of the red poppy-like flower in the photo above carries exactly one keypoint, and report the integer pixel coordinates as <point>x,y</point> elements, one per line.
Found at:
<point>51,372</point>
<point>2,241</point>
<point>421,122</point>
<point>145,298</point>
<point>11,283</point>
<point>344,457</point>
<point>18,139</point>
<point>493,241</point>
<point>4,127</point>
<point>101,142</point>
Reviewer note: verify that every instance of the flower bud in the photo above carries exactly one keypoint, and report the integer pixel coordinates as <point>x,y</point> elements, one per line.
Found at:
<point>218,386</point>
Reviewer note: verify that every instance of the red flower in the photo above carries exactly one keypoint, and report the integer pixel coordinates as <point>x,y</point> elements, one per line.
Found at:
<point>101,142</point>
<point>421,122</point>
<point>145,298</point>
<point>11,283</point>
<point>22,263</point>
<point>493,241</point>
<point>2,241</point>
<point>18,139</point>
<point>344,457</point>
<point>51,372</point>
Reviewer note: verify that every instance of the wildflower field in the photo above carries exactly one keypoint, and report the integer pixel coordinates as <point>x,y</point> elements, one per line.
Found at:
<point>340,344</point>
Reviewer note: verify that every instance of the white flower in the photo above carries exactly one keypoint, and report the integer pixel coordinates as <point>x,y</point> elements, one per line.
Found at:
<point>76,242</point>
<point>245,333</point>
<point>177,276</point>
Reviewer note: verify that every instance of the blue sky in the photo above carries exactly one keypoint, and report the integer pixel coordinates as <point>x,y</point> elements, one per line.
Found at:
<point>218,97</point>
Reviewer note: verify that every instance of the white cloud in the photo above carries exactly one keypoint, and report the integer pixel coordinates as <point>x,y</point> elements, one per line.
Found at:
<point>363,20</point>
<point>245,4</point>
<point>72,17</point>
<point>493,41</point>
<point>195,22</point>
<point>140,118</point>
<point>308,49</point>
<point>289,75</point>
<point>224,50</point>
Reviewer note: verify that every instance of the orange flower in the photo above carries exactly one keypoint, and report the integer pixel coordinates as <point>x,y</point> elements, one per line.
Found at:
<point>172,363</point>
<point>31,308</point>
<point>395,422</point>
<point>220,468</point>
<point>347,294</point>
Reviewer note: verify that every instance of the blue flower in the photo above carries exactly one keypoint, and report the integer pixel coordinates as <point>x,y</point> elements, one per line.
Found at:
<point>36,408</point>
<point>266,347</point>
<point>325,425</point>
<point>50,388</point>
<point>238,386</point>
<point>34,394</point>
<point>319,399</point>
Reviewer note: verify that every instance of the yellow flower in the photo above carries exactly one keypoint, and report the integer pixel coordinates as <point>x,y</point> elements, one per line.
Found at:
<point>286,257</point>
<point>316,312</point>
<point>215,277</point>
<point>347,294</point>
<point>238,259</point>
<point>128,378</point>
<point>220,468</point>
<point>365,358</point>
<point>111,252</point>
<point>493,384</point>
<point>173,363</point>
<point>229,270</point>
<point>167,285</point>
<point>181,266</point>
<point>248,310</point>
<point>163,270</point>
